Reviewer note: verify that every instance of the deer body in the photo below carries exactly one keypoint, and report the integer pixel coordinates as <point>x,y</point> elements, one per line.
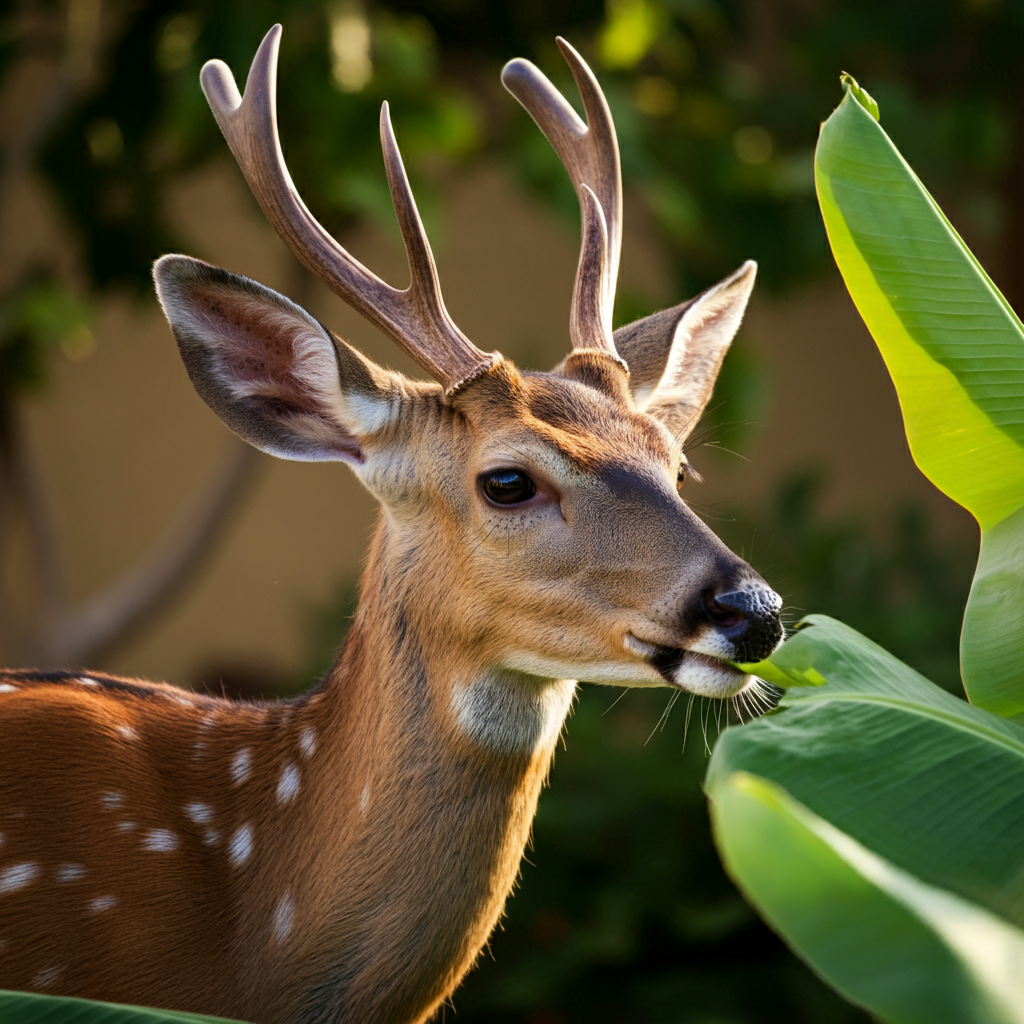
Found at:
<point>343,856</point>
<point>350,850</point>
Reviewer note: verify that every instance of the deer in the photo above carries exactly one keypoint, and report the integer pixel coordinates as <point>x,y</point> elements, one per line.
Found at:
<point>343,856</point>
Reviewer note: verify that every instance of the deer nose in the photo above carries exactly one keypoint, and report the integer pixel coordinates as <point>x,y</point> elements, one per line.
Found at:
<point>749,618</point>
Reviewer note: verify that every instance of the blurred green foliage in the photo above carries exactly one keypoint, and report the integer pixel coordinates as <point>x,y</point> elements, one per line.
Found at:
<point>716,103</point>
<point>36,317</point>
<point>114,157</point>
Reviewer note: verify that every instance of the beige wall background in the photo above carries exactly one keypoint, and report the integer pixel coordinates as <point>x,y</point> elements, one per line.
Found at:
<point>123,442</point>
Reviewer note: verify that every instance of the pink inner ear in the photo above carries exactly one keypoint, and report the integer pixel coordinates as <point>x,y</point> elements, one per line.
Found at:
<point>283,362</point>
<point>266,351</point>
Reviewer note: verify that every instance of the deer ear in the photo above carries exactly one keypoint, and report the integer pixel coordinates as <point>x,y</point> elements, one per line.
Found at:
<point>268,369</point>
<point>674,356</point>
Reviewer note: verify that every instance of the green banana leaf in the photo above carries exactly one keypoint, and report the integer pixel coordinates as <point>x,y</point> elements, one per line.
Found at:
<point>856,917</point>
<point>955,351</point>
<point>888,845</point>
<point>32,1008</point>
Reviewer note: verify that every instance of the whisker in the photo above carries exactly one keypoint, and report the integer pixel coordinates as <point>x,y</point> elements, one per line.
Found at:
<point>625,690</point>
<point>664,716</point>
<point>736,698</point>
<point>722,448</point>
<point>668,708</point>
<point>707,428</point>
<point>748,702</point>
<point>703,430</point>
<point>686,724</point>
<point>755,700</point>
<point>704,510</point>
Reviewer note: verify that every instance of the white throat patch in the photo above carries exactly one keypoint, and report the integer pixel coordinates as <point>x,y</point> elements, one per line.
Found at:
<point>511,712</point>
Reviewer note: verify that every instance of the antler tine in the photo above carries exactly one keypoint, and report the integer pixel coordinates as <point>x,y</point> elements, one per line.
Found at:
<point>414,318</point>
<point>424,283</point>
<point>590,322</point>
<point>589,152</point>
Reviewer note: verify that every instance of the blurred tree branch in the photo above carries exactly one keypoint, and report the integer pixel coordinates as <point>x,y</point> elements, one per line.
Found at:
<point>65,635</point>
<point>82,48</point>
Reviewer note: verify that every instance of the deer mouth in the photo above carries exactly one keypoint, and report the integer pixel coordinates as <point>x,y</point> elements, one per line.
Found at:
<point>669,660</point>
<point>689,670</point>
<point>697,672</point>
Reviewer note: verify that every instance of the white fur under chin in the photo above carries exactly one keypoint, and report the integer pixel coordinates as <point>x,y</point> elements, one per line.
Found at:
<point>696,674</point>
<point>512,712</point>
<point>707,679</point>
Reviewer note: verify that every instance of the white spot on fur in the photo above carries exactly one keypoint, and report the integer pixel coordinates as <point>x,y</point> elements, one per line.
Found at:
<point>101,903</point>
<point>198,750</point>
<point>160,840</point>
<point>70,873</point>
<point>17,876</point>
<point>127,732</point>
<point>201,814</point>
<point>1,839</point>
<point>288,786</point>
<point>307,741</point>
<point>211,837</point>
<point>284,915</point>
<point>208,720</point>
<point>86,681</point>
<point>511,711</point>
<point>364,799</point>
<point>7,688</point>
<point>111,800</point>
<point>241,845</point>
<point>126,826</point>
<point>241,766</point>
<point>45,978</point>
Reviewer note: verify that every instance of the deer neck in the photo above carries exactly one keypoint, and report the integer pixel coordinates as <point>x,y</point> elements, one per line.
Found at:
<point>432,764</point>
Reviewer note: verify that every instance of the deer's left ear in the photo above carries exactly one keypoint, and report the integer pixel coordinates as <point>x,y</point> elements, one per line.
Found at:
<point>674,356</point>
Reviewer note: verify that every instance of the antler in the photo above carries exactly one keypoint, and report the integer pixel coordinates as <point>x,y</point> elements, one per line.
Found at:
<point>415,318</point>
<point>590,153</point>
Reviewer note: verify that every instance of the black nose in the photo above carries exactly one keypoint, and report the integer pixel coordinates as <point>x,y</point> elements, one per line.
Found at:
<point>749,618</point>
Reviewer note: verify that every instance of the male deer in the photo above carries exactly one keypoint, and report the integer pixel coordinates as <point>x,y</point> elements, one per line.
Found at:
<point>343,856</point>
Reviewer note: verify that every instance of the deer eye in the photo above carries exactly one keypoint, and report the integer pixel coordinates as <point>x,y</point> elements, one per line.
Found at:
<point>507,486</point>
<point>686,472</point>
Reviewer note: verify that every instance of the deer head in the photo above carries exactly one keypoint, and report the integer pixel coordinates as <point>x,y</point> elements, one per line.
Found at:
<point>535,519</point>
